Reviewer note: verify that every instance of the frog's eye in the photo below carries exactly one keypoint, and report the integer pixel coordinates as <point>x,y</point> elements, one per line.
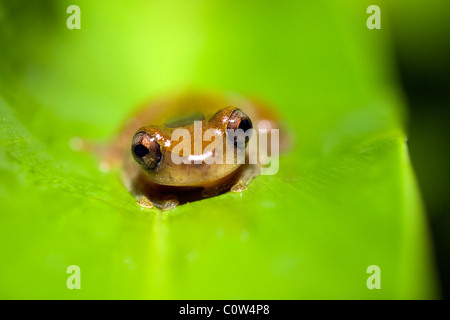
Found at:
<point>239,120</point>
<point>146,150</point>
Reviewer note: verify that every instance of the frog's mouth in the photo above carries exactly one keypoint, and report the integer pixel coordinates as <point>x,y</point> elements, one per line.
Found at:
<point>190,174</point>
<point>185,194</point>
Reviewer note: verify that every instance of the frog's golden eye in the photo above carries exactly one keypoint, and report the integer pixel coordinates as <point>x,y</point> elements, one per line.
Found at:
<point>239,120</point>
<point>146,150</point>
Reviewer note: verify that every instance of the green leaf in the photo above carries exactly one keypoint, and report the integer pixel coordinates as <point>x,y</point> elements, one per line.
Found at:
<point>344,198</point>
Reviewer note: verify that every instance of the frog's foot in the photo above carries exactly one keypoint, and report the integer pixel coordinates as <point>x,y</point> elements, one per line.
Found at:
<point>247,175</point>
<point>169,202</point>
<point>144,202</point>
<point>239,187</point>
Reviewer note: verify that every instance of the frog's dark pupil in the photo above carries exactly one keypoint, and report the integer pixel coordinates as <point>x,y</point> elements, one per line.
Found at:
<point>141,150</point>
<point>245,125</point>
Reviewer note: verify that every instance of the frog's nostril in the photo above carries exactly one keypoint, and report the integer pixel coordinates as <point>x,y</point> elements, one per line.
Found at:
<point>140,150</point>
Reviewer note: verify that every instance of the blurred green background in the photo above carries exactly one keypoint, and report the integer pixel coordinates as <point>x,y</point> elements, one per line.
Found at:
<point>421,38</point>
<point>345,197</point>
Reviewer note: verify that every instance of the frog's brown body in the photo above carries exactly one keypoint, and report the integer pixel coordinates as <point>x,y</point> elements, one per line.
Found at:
<point>165,184</point>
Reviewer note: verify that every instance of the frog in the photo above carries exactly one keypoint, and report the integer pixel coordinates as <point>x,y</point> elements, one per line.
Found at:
<point>145,148</point>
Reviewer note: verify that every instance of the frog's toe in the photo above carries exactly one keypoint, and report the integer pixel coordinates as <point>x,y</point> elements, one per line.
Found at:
<point>144,202</point>
<point>238,187</point>
<point>169,204</point>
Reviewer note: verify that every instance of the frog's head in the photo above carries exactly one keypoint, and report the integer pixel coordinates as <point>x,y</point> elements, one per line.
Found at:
<point>180,153</point>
